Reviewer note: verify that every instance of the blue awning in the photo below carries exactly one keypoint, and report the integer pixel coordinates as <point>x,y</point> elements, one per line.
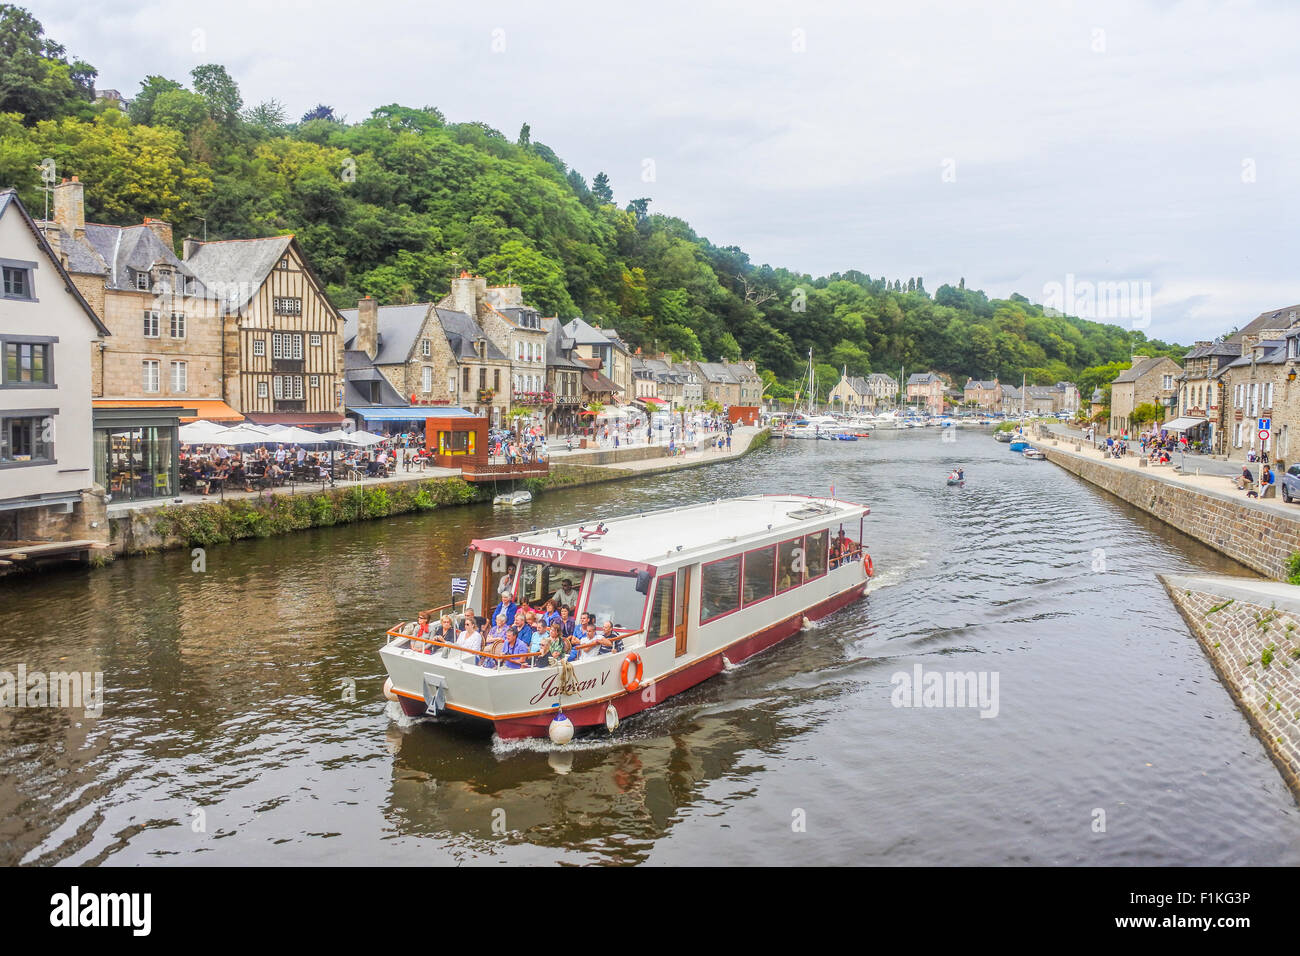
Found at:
<point>406,413</point>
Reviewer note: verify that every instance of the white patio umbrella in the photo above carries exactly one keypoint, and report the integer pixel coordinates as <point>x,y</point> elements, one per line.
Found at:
<point>290,435</point>
<point>201,432</point>
<point>337,434</point>
<point>243,434</point>
<point>362,439</point>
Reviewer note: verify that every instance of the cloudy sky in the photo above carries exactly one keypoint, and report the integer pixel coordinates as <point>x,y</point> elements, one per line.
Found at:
<point>1150,143</point>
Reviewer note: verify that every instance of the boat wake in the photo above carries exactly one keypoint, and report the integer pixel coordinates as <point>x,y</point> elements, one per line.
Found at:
<point>896,574</point>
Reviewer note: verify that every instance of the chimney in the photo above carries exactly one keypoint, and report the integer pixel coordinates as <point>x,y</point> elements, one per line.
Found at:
<point>367,339</point>
<point>163,230</point>
<point>1136,360</point>
<point>70,207</point>
<point>189,247</point>
<point>463,298</point>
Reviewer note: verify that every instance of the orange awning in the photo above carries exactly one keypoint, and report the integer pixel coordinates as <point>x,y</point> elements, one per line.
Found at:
<point>207,409</point>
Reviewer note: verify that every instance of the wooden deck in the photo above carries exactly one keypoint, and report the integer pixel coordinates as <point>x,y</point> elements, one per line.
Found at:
<point>29,552</point>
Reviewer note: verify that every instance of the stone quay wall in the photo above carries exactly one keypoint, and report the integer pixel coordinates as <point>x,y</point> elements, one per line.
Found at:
<point>1250,630</point>
<point>1261,539</point>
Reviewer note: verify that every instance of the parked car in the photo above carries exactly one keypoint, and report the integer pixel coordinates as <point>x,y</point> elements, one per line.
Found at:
<point>1291,484</point>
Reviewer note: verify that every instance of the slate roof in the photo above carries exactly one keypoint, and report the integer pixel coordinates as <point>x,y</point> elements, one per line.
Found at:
<point>118,253</point>
<point>462,332</point>
<point>357,369</point>
<point>398,328</point>
<point>1137,371</point>
<point>986,385</point>
<point>559,346</point>
<point>1097,396</point>
<point>234,269</point>
<point>742,372</point>
<point>923,378</point>
<point>9,201</point>
<point>1215,348</point>
<point>717,372</point>
<point>1040,391</point>
<point>583,333</point>
<point>875,377</point>
<point>1274,353</point>
<point>1282,318</point>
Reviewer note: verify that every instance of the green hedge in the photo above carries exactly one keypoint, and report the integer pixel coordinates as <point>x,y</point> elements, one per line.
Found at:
<point>264,516</point>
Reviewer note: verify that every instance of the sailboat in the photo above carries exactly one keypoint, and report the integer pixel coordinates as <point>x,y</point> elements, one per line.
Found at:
<point>806,423</point>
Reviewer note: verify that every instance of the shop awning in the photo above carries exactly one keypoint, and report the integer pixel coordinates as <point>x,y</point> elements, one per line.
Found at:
<point>129,412</point>
<point>206,409</point>
<point>406,413</point>
<point>1183,424</point>
<point>295,418</point>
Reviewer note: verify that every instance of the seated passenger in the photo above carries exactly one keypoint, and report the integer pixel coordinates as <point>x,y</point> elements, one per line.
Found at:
<point>498,633</point>
<point>565,622</point>
<point>493,645</point>
<point>609,641</point>
<point>470,639</point>
<point>549,614</point>
<point>591,646</point>
<point>506,607</point>
<point>422,630</point>
<point>567,594</point>
<point>513,645</point>
<point>446,630</point>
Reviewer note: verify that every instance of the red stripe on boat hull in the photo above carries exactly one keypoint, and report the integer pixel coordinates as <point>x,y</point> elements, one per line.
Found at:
<point>592,715</point>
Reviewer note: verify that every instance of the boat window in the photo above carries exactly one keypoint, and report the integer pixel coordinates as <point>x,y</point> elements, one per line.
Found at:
<point>815,553</point>
<point>789,564</point>
<point>661,612</point>
<point>614,597</point>
<point>539,582</point>
<point>719,588</point>
<point>760,568</point>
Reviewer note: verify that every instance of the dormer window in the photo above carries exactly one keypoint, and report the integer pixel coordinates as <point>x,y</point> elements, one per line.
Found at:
<point>142,281</point>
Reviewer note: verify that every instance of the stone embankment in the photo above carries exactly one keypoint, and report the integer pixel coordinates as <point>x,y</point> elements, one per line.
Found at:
<point>1262,535</point>
<point>1250,630</point>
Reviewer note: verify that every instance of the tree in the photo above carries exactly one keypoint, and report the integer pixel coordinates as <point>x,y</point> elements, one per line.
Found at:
<point>179,109</point>
<point>525,136</point>
<point>639,208</point>
<point>269,116</point>
<point>219,92</point>
<point>36,79</point>
<point>319,112</point>
<point>1146,412</point>
<point>151,87</point>
<point>600,189</point>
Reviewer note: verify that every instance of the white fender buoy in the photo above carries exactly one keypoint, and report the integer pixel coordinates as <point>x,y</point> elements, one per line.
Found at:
<point>807,623</point>
<point>388,689</point>
<point>611,718</point>
<point>726,664</point>
<point>561,729</point>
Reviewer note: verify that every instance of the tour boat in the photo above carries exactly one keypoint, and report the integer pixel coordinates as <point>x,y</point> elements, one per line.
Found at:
<point>689,591</point>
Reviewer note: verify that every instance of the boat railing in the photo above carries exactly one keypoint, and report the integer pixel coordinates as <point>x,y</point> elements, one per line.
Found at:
<point>399,633</point>
<point>853,553</point>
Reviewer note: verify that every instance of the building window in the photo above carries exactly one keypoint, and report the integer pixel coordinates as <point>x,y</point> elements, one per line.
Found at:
<point>178,325</point>
<point>151,322</point>
<point>287,305</point>
<point>278,381</point>
<point>28,363</point>
<point>179,376</point>
<point>18,282</point>
<point>315,340</point>
<point>261,390</point>
<point>482,378</point>
<point>496,380</point>
<point>426,379</point>
<point>142,281</point>
<point>426,348</point>
<point>150,373</point>
<point>466,380</point>
<point>26,440</point>
<point>284,263</point>
<point>286,345</point>
<point>259,347</point>
<point>314,381</point>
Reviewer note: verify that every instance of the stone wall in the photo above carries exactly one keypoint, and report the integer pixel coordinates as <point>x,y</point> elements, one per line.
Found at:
<point>1251,633</point>
<point>1261,539</point>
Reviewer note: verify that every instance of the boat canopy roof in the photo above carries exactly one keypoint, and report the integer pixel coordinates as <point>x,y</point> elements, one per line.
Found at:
<point>642,541</point>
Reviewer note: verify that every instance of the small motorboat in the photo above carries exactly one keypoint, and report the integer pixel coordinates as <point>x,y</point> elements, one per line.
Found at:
<point>1019,445</point>
<point>1034,453</point>
<point>1003,437</point>
<point>512,499</point>
<point>954,480</point>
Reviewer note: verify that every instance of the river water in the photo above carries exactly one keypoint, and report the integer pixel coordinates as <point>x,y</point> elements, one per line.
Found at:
<point>226,736</point>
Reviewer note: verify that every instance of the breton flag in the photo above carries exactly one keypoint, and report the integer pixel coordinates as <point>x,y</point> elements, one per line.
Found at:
<point>458,585</point>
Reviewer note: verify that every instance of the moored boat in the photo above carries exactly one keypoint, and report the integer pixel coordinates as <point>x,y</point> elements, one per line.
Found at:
<point>1019,445</point>
<point>512,499</point>
<point>1034,453</point>
<point>682,599</point>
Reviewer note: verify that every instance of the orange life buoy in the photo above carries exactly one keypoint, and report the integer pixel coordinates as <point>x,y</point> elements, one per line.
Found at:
<point>632,658</point>
<point>867,567</point>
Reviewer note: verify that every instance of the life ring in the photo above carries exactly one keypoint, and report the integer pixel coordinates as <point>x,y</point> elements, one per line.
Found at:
<point>867,567</point>
<point>632,685</point>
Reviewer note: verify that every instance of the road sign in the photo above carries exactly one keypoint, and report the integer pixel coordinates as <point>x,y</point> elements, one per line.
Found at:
<point>1263,434</point>
<point>1265,424</point>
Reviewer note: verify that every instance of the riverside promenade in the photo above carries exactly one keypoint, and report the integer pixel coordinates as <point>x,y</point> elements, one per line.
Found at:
<point>1261,534</point>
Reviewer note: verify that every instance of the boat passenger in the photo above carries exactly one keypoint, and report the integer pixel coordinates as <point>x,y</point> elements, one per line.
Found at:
<point>591,646</point>
<point>609,641</point>
<point>506,607</point>
<point>507,580</point>
<point>513,645</point>
<point>446,630</point>
<point>470,639</point>
<point>493,645</point>
<point>422,630</point>
<point>549,614</point>
<point>961,475</point>
<point>567,594</point>
<point>498,633</point>
<point>565,621</point>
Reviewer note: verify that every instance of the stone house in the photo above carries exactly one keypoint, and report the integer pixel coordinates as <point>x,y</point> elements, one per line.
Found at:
<point>1260,385</point>
<point>982,394</point>
<point>282,337</point>
<point>925,389</point>
<point>850,393</point>
<point>563,379</point>
<point>1011,399</point>
<point>615,363</point>
<point>882,390</point>
<point>1147,380</point>
<point>750,390</point>
<point>47,464</point>
<point>1068,398</point>
<point>1200,389</point>
<point>718,383</point>
<point>516,329</point>
<point>1041,400</point>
